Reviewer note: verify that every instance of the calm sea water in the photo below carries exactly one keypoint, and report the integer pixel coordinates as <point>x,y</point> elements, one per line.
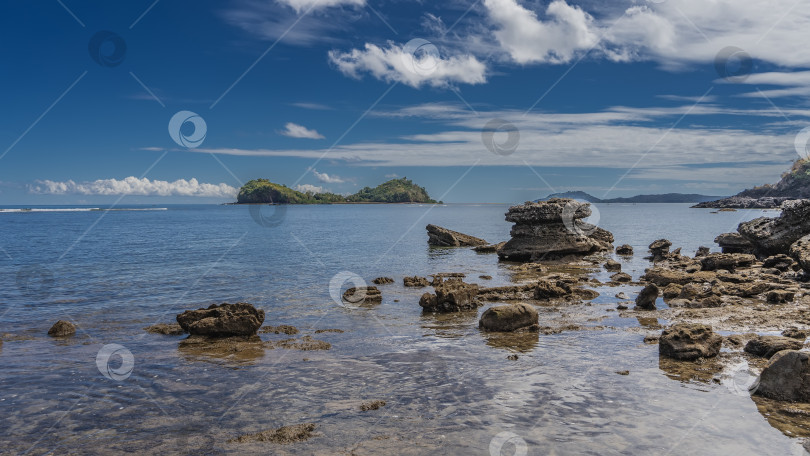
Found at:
<point>449,388</point>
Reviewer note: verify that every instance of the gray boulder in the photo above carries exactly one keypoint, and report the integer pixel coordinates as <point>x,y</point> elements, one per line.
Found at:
<point>689,342</point>
<point>510,317</point>
<point>771,236</point>
<point>786,377</point>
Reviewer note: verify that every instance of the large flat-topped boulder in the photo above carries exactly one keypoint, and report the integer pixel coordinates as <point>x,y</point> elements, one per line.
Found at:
<point>553,229</point>
<point>771,236</point>
<point>240,319</point>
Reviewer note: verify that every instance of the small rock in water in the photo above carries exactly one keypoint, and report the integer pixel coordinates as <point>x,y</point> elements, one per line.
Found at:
<point>621,277</point>
<point>624,249</point>
<point>689,342</point>
<point>225,320</point>
<point>451,296</point>
<point>373,405</point>
<point>646,298</point>
<point>621,307</point>
<point>62,328</point>
<point>281,329</point>
<point>362,295</point>
<point>282,435</point>
<point>512,357</point>
<point>443,237</point>
<point>170,329</point>
<point>383,280</point>
<point>613,266</point>
<point>485,277</point>
<point>624,372</point>
<point>415,282</point>
<point>622,295</point>
<point>509,317</point>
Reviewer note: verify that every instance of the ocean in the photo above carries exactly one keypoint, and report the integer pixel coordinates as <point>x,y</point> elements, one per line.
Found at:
<point>449,388</point>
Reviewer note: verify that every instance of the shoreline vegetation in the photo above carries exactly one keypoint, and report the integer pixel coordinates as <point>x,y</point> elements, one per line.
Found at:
<point>403,190</point>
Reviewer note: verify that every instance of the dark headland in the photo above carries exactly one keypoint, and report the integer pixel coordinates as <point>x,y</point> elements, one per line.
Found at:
<point>662,198</point>
<point>794,184</point>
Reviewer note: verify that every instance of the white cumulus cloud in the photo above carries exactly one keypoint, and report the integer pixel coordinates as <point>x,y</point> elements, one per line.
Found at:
<point>395,63</point>
<point>294,130</point>
<point>309,5</point>
<point>134,186</point>
<point>323,177</point>
<point>309,188</point>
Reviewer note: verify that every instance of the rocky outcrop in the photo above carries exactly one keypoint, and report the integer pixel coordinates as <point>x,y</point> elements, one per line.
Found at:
<point>551,230</point>
<point>624,249</point>
<point>733,243</point>
<point>689,342</point>
<point>771,236</point>
<point>442,237</point>
<point>224,320</point>
<point>382,280</point>
<point>613,266</point>
<point>659,249</point>
<point>62,328</point>
<point>800,251</point>
<point>646,298</point>
<point>511,317</point>
<point>727,261</point>
<point>415,282</point>
<point>767,346</point>
<point>779,262</point>
<point>362,295</point>
<point>451,296</point>
<point>663,276</point>
<point>786,377</point>
<point>744,202</point>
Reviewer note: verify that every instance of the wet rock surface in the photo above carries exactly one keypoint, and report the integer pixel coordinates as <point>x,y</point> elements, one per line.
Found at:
<point>552,229</point>
<point>62,328</point>
<point>283,435</point>
<point>510,317</point>
<point>167,329</point>
<point>224,320</point>
<point>771,236</point>
<point>362,296</point>
<point>452,295</point>
<point>443,237</point>
<point>767,346</point>
<point>415,282</point>
<point>646,297</point>
<point>786,377</point>
<point>624,250</point>
<point>689,342</point>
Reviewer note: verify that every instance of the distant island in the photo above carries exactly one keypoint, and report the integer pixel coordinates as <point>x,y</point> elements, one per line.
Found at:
<point>794,184</point>
<point>663,198</point>
<point>262,191</point>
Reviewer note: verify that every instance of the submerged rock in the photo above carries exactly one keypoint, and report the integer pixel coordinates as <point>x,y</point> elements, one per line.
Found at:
<point>415,282</point>
<point>786,377</point>
<point>443,237</point>
<point>551,230</point>
<point>767,346</point>
<point>646,298</point>
<point>689,342</point>
<point>451,296</point>
<point>62,328</point>
<point>240,319</point>
<point>373,405</point>
<point>510,317</point>
<point>490,248</point>
<point>170,329</point>
<point>362,295</point>
<point>282,435</point>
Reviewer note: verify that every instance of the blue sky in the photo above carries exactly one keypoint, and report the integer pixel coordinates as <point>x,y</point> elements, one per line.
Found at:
<point>615,99</point>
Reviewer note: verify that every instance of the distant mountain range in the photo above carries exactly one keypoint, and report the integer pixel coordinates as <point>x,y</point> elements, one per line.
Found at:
<point>393,191</point>
<point>664,198</point>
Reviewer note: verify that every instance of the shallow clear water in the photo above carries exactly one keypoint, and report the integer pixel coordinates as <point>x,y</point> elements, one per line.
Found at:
<point>449,388</point>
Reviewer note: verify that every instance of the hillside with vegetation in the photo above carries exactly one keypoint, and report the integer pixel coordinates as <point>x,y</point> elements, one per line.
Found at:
<point>393,191</point>
<point>794,184</point>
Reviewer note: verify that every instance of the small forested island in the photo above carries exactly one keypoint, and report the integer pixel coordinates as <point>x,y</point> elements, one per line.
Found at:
<point>262,191</point>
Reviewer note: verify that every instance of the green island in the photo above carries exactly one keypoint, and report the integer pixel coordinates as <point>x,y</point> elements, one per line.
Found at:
<point>262,191</point>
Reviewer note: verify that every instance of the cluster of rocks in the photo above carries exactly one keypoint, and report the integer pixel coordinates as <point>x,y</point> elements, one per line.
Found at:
<point>551,230</point>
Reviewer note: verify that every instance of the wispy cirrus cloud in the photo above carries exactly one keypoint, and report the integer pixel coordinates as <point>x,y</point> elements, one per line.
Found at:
<point>134,187</point>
